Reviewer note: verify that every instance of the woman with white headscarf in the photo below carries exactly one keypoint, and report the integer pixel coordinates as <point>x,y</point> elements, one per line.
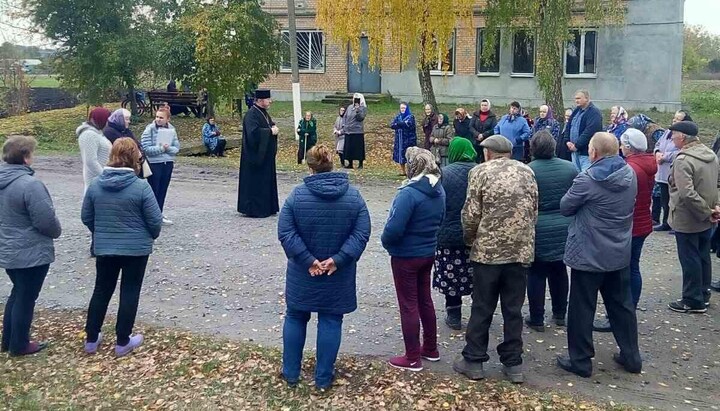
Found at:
<point>355,131</point>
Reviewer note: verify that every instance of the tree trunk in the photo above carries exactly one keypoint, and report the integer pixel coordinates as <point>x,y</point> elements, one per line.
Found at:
<point>211,106</point>
<point>426,86</point>
<point>133,102</point>
<point>554,94</point>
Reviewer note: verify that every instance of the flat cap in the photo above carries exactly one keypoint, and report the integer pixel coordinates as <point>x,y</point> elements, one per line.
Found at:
<point>498,144</point>
<point>688,128</point>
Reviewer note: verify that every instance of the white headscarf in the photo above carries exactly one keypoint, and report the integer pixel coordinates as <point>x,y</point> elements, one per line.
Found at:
<point>488,101</point>
<point>362,99</point>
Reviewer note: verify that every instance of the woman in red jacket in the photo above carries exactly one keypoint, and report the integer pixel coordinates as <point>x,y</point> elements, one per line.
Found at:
<point>633,144</point>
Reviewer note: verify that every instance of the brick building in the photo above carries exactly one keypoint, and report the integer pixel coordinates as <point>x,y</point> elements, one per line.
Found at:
<point>638,65</point>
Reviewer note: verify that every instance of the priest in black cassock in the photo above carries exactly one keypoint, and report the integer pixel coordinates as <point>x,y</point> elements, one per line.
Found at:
<point>257,193</point>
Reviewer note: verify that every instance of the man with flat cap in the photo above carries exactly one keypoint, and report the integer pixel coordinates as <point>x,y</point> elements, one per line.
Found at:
<point>257,192</point>
<point>693,184</point>
<point>499,224</point>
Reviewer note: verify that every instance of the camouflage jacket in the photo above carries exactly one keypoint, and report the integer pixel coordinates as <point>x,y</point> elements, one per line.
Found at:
<point>500,212</point>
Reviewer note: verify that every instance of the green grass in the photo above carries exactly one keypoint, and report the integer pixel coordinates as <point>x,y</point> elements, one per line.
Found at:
<point>43,80</point>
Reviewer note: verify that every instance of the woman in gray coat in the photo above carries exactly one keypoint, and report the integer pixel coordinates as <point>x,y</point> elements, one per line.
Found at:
<point>28,225</point>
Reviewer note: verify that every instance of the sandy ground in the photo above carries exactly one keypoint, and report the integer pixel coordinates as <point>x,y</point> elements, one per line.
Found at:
<point>218,273</point>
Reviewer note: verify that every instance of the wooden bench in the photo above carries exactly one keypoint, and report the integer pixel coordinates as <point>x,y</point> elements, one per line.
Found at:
<point>158,98</point>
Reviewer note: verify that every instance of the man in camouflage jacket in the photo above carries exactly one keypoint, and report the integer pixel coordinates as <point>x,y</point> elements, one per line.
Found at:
<point>499,224</point>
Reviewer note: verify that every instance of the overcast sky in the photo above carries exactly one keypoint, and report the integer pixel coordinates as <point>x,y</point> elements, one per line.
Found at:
<point>701,12</point>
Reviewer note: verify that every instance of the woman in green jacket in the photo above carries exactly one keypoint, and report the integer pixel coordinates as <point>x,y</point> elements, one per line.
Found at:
<point>307,131</point>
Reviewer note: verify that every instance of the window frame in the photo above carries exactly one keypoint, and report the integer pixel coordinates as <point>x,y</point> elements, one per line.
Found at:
<point>581,57</point>
<point>534,56</point>
<point>324,52</point>
<point>439,71</point>
<point>478,38</point>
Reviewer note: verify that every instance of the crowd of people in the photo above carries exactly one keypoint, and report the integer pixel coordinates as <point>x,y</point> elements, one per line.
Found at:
<point>472,218</point>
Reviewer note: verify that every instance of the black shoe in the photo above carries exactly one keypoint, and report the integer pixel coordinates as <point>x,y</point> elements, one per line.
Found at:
<point>471,369</point>
<point>565,363</point>
<point>560,320</point>
<point>602,325</point>
<point>681,307</point>
<point>514,374</point>
<point>454,318</point>
<point>621,360</point>
<point>715,286</point>
<point>534,326</point>
<point>662,227</point>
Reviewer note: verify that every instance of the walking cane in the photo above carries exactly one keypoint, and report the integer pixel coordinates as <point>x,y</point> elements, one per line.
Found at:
<point>305,148</point>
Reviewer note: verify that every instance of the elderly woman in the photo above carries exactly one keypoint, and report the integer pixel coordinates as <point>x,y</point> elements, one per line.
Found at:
<point>324,227</point>
<point>160,144</point>
<point>213,139</point>
<point>94,146</point>
<point>618,121</point>
<point>428,124</point>
<point>339,133</point>
<point>121,211</point>
<point>554,178</point>
<point>405,135</point>
<point>410,237</point>
<point>118,125</point>
<point>28,225</point>
<point>355,131</point>
<point>307,135</point>
<point>546,121</point>
<point>482,126</point>
<point>453,272</point>
<point>440,139</point>
<point>462,124</point>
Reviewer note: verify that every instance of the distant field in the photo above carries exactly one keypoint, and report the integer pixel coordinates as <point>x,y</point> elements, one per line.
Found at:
<point>43,80</point>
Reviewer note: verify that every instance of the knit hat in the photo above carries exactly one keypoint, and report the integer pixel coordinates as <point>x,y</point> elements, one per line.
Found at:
<point>634,139</point>
<point>461,149</point>
<point>688,128</point>
<point>498,144</point>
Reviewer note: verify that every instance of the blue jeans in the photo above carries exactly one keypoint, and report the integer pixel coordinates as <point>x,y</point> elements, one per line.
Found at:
<point>635,277</point>
<point>694,255</point>
<point>329,335</point>
<point>160,180</point>
<point>18,316</point>
<point>581,162</point>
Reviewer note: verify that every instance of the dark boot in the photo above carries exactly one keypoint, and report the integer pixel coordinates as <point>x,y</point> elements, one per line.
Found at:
<point>454,318</point>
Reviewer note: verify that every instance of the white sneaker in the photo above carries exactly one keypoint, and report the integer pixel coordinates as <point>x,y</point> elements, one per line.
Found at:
<point>167,221</point>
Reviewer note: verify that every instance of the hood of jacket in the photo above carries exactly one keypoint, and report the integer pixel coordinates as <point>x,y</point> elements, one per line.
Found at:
<point>328,186</point>
<point>84,127</point>
<point>699,151</point>
<point>645,161</point>
<point>612,173</point>
<point>116,179</point>
<point>11,172</point>
<point>424,186</point>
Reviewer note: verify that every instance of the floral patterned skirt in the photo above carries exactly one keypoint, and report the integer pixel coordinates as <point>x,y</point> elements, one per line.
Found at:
<point>453,272</point>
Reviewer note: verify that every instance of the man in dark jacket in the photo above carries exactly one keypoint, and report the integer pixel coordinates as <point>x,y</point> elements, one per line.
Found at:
<point>694,206</point>
<point>584,122</point>
<point>482,126</point>
<point>602,200</point>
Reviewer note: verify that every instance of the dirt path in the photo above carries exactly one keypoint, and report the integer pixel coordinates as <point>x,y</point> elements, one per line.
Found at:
<point>217,273</point>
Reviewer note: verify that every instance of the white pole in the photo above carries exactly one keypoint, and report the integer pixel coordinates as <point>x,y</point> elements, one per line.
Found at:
<point>297,109</point>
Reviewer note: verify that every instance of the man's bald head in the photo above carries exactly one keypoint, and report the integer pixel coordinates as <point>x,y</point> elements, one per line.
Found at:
<point>603,144</point>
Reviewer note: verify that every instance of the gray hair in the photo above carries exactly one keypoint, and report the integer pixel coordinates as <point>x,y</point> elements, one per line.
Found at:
<point>17,148</point>
<point>584,92</point>
<point>542,145</point>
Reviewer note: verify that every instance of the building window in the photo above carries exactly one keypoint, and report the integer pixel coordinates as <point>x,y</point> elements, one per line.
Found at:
<point>486,66</point>
<point>523,53</point>
<point>581,53</point>
<point>310,50</point>
<point>445,63</point>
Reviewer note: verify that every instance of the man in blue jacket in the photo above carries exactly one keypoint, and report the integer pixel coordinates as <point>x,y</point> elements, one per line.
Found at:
<point>601,202</point>
<point>515,128</point>
<point>584,122</point>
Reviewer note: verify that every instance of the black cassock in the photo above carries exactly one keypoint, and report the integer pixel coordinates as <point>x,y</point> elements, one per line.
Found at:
<point>257,193</point>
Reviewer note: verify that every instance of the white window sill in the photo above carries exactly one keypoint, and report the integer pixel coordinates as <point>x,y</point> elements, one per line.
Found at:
<point>488,74</point>
<point>441,73</point>
<point>288,71</point>
<point>584,75</point>
<point>522,75</point>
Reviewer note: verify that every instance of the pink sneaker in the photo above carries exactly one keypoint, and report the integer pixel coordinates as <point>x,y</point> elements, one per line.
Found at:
<point>403,363</point>
<point>123,350</point>
<point>91,348</point>
<point>432,356</point>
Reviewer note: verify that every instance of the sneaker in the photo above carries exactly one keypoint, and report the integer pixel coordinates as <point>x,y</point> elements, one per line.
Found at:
<point>602,325</point>
<point>32,348</point>
<point>565,363</point>
<point>534,326</point>
<point>123,350</point>
<point>432,356</point>
<point>403,363</point>
<point>167,221</point>
<point>681,307</point>
<point>662,227</point>
<point>90,347</point>
<point>514,374</point>
<point>471,369</point>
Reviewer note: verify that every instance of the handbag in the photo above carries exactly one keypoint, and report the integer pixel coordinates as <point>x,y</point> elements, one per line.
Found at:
<point>145,170</point>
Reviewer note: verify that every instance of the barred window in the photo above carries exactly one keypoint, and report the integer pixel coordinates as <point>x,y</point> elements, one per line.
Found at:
<point>310,51</point>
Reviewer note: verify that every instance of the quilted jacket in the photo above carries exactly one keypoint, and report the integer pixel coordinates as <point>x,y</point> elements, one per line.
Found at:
<point>455,181</point>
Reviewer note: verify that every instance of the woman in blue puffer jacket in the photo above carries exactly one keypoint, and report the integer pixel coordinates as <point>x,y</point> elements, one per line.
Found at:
<point>324,227</point>
<point>121,212</point>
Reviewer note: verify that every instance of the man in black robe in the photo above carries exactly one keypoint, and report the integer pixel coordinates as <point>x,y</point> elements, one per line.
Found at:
<point>258,194</point>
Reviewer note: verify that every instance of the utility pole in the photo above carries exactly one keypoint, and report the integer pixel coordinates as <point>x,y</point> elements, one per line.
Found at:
<point>297,109</point>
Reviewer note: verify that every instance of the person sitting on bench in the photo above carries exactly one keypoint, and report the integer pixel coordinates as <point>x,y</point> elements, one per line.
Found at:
<point>212,138</point>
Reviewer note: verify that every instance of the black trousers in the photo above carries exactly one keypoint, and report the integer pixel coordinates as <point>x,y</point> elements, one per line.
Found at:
<point>490,282</point>
<point>108,270</point>
<point>615,289</point>
<point>694,255</point>
<point>220,147</point>
<point>20,306</point>
<point>662,204</point>
<point>160,180</point>
<point>555,273</point>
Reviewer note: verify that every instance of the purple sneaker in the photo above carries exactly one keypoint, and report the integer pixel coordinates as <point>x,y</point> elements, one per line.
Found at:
<point>123,350</point>
<point>91,348</point>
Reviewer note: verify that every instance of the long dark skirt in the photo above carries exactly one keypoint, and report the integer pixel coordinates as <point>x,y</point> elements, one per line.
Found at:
<point>354,147</point>
<point>453,273</point>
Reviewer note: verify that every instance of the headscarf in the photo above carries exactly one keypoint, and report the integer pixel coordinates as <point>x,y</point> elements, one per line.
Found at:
<point>639,122</point>
<point>461,149</point>
<point>118,117</point>
<point>487,101</point>
<point>445,119</point>
<point>462,112</point>
<point>622,116</point>
<point>407,114</point>
<point>420,163</point>
<point>362,99</point>
<point>99,117</point>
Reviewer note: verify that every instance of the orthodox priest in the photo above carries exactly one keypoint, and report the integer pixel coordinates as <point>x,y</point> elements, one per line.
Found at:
<point>257,193</point>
